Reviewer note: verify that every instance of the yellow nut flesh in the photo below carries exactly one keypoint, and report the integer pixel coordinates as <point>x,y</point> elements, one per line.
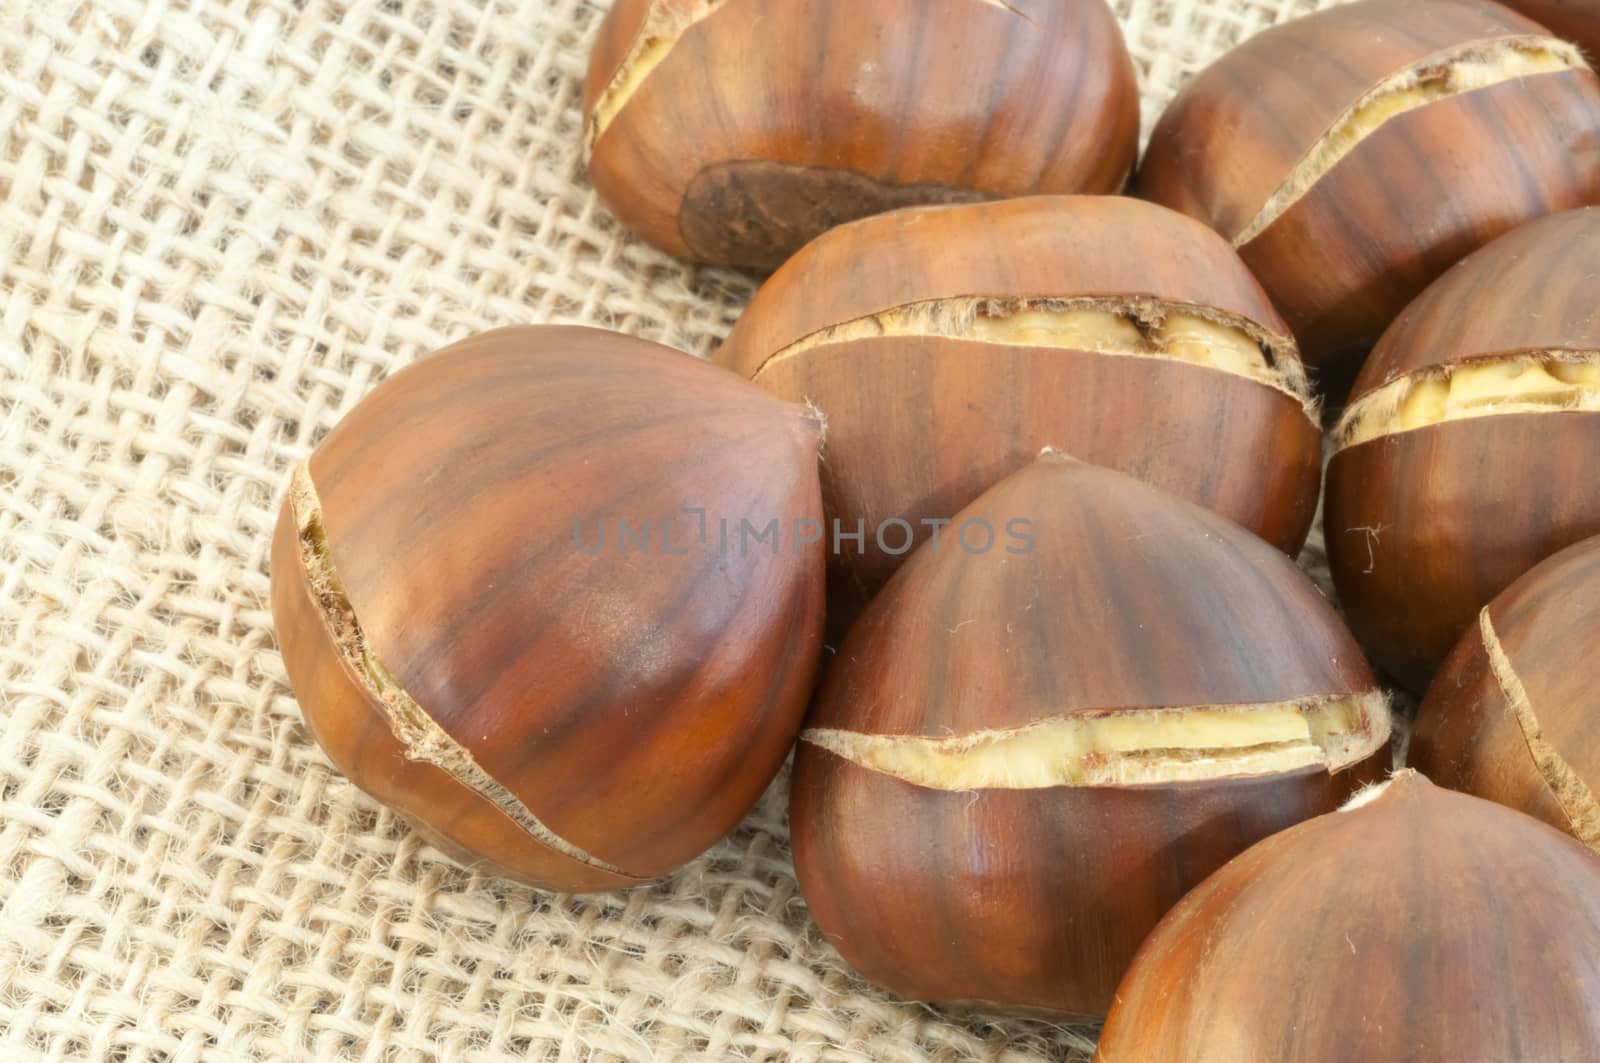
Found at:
<point>1476,66</point>
<point>1131,746</point>
<point>1132,327</point>
<point>1539,383</point>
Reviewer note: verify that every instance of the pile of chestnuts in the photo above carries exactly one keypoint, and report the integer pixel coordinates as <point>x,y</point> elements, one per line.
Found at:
<point>987,512</point>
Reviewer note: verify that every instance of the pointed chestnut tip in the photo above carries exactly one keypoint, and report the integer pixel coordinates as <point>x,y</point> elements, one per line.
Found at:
<point>1399,781</point>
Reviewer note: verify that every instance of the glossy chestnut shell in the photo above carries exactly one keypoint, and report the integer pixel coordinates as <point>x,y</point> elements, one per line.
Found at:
<point>1514,715</point>
<point>474,641</point>
<point>1420,924</point>
<point>1576,20</point>
<point>1466,455</point>
<point>1023,756</point>
<point>733,131</point>
<point>1354,155</point>
<point>948,345</point>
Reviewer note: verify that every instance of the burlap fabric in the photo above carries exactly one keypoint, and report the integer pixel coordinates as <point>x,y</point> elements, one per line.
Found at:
<point>221,222</point>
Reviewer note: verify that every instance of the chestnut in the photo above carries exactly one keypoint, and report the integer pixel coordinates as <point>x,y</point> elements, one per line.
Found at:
<point>733,131</point>
<point>1514,715</point>
<point>1416,924</point>
<point>1466,454</point>
<point>1576,20</point>
<point>1057,719</point>
<point>1355,154</point>
<point>948,345</point>
<point>511,606</point>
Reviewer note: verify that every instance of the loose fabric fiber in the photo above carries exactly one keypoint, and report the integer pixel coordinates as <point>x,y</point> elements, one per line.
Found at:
<point>221,223</point>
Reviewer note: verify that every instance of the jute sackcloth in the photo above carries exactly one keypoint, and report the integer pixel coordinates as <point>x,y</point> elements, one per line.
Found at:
<point>221,223</point>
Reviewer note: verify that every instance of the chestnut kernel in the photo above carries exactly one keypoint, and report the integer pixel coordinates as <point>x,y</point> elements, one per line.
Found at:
<point>948,345</point>
<point>503,617</point>
<point>1416,924</point>
<point>733,131</point>
<point>1294,144</point>
<point>1465,456</point>
<point>1021,757</point>
<point>1514,714</point>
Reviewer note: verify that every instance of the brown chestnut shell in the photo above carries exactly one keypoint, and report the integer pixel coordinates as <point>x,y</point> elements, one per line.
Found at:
<point>1137,629</point>
<point>1419,924</point>
<point>1346,212</point>
<point>1514,714</point>
<point>1432,512</point>
<point>733,131</point>
<point>921,420</point>
<point>1576,20</point>
<point>473,643</point>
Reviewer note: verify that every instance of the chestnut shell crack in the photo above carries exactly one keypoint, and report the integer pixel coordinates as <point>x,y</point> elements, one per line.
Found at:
<point>664,24</point>
<point>1571,793</point>
<point>1467,68</point>
<point>1131,747</point>
<point>1252,352</point>
<point>418,733</point>
<point>1486,386</point>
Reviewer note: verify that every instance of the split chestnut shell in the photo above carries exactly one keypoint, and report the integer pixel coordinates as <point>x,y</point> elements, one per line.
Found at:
<point>1467,453</point>
<point>1576,20</point>
<point>476,641</point>
<point>1514,715</point>
<point>1355,154</point>
<point>733,131</point>
<point>947,345</point>
<point>1024,754</point>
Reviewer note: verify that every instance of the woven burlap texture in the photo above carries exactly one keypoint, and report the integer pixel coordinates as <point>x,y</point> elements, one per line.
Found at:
<point>222,222</point>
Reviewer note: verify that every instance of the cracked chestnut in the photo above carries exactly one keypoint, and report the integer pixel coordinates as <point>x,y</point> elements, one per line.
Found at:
<point>1354,155</point>
<point>948,345</point>
<point>1054,722</point>
<point>1514,714</point>
<point>1576,20</point>
<point>733,131</point>
<point>1465,456</point>
<point>1416,924</point>
<point>510,607</point>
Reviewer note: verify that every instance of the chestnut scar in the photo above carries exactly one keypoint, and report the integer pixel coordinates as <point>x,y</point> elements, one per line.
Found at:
<point>1131,747</point>
<point>420,736</point>
<point>1128,326</point>
<point>1456,72</point>
<point>1576,800</point>
<point>1497,385</point>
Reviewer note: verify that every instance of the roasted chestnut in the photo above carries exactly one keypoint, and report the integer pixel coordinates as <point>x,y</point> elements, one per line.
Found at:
<point>1466,455</point>
<point>948,345</point>
<point>1057,719</point>
<point>512,608</point>
<point>733,131</point>
<point>1576,20</point>
<point>1354,155</point>
<point>1415,924</point>
<point>1514,715</point>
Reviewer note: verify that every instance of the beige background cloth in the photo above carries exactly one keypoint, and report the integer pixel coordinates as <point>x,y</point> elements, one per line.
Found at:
<point>221,222</point>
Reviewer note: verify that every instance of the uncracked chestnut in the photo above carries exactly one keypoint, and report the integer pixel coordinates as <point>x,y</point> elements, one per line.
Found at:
<point>1467,453</point>
<point>1418,924</point>
<point>1355,154</point>
<point>1514,714</point>
<point>511,608</point>
<point>948,345</point>
<point>733,131</point>
<point>1055,721</point>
